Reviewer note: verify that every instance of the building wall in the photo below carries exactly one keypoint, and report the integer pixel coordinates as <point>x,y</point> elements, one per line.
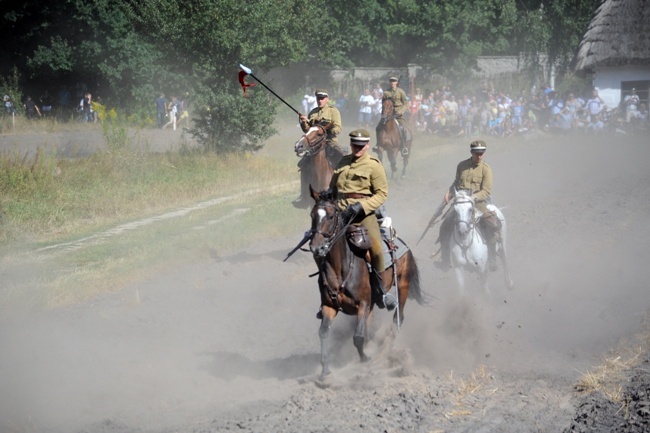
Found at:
<point>608,81</point>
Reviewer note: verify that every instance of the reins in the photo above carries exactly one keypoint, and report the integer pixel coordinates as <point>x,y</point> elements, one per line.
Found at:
<point>332,239</point>
<point>336,235</point>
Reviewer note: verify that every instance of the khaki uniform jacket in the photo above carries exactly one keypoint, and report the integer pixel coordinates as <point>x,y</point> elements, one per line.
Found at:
<point>474,177</point>
<point>328,114</point>
<point>365,176</point>
<point>399,99</point>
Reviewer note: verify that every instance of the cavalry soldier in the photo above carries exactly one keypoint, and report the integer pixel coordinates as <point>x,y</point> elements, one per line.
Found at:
<point>361,186</point>
<point>322,113</point>
<point>400,104</point>
<point>476,176</point>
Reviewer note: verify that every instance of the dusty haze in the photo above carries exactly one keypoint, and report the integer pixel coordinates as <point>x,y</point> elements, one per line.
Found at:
<point>219,345</point>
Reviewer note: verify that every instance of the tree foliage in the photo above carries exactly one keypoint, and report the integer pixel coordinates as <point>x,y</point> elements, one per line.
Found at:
<point>127,51</point>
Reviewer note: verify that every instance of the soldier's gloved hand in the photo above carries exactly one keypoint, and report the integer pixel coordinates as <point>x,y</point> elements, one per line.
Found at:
<point>351,212</point>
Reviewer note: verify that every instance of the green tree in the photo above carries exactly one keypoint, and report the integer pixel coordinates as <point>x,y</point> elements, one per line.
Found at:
<point>203,42</point>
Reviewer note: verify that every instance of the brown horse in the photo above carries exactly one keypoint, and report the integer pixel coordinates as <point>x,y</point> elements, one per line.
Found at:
<point>343,276</point>
<point>315,168</point>
<point>389,140</point>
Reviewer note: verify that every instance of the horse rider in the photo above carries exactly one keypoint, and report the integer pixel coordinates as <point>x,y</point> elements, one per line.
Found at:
<point>361,187</point>
<point>476,176</point>
<point>322,113</point>
<point>400,105</point>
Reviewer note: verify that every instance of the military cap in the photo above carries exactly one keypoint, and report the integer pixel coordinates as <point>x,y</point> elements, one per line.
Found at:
<point>393,79</point>
<point>359,137</point>
<point>321,93</point>
<point>478,146</point>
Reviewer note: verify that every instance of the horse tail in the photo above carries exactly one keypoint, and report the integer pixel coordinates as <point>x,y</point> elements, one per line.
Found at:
<point>412,275</point>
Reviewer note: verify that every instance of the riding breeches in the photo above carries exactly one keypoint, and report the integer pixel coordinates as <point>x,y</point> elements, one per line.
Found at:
<point>376,250</point>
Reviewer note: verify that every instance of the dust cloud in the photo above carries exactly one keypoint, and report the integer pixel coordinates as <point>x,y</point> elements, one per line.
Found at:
<point>236,337</point>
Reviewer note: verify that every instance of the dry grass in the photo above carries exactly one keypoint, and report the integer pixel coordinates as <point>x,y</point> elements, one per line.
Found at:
<point>608,376</point>
<point>477,383</point>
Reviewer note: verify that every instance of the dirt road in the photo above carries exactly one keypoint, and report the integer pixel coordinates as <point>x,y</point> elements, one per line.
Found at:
<point>230,343</point>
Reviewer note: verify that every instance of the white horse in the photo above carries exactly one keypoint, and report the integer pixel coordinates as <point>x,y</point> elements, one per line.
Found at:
<point>468,247</point>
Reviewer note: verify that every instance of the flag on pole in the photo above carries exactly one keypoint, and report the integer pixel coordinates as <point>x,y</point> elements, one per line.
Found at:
<point>243,72</point>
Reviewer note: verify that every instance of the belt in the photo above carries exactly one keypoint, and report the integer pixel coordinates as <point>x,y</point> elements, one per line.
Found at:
<point>343,195</point>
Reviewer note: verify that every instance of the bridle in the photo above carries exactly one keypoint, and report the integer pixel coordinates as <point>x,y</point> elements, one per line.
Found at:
<point>386,118</point>
<point>315,146</point>
<point>330,237</point>
<point>470,225</point>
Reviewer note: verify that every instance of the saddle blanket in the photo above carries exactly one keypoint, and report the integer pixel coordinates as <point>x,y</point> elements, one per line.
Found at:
<point>399,252</point>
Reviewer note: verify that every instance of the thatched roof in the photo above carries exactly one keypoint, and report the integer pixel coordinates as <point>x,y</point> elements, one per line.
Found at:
<point>619,34</point>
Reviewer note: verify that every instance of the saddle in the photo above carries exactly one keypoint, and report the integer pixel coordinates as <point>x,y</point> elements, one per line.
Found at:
<point>358,239</point>
<point>393,246</point>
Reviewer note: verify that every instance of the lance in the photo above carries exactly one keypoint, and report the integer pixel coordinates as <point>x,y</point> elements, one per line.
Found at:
<point>432,221</point>
<point>249,72</point>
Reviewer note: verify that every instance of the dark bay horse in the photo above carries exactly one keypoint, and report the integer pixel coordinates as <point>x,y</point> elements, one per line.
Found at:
<point>388,138</point>
<point>343,277</point>
<point>314,166</point>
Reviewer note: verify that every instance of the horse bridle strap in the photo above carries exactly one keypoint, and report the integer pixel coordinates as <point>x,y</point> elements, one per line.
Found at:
<point>336,235</point>
<point>317,145</point>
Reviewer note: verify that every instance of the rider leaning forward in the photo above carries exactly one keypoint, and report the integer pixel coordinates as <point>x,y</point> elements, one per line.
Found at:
<point>476,176</point>
<point>361,186</point>
<point>322,113</point>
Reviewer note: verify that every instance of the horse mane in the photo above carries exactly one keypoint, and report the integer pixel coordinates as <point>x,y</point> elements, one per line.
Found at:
<point>327,195</point>
<point>462,194</point>
<point>326,125</point>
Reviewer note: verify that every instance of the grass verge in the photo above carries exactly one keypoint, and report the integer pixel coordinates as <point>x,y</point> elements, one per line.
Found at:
<point>60,218</point>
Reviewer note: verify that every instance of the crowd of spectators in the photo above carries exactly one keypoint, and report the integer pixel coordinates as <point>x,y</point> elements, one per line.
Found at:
<point>79,104</point>
<point>490,112</point>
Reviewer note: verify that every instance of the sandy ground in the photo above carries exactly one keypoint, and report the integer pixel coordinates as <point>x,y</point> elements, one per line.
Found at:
<point>230,343</point>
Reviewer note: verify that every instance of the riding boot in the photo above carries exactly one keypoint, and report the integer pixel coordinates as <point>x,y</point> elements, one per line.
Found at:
<point>384,300</point>
<point>333,153</point>
<point>445,250</point>
<point>402,138</point>
<point>302,202</point>
<point>445,256</point>
<point>491,228</point>
<point>492,254</point>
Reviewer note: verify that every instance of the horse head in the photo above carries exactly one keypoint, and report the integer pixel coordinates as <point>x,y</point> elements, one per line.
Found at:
<point>464,211</point>
<point>387,110</point>
<point>325,222</point>
<point>312,141</point>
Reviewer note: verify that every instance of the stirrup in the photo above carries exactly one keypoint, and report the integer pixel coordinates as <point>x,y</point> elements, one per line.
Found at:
<point>300,203</point>
<point>389,301</point>
<point>405,151</point>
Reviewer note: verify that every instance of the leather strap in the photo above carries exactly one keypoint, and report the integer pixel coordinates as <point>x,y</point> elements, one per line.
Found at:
<point>343,195</point>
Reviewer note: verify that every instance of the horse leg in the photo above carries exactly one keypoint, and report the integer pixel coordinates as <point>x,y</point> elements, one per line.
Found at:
<point>323,332</point>
<point>360,331</point>
<point>509,283</point>
<point>405,159</point>
<point>380,154</point>
<point>484,280</point>
<point>460,278</point>
<point>392,157</point>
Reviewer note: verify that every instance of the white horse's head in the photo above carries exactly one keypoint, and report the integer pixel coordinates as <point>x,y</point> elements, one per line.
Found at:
<point>463,206</point>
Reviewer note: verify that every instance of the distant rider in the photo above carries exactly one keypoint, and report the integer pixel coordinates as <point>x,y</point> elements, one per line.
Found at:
<point>322,113</point>
<point>475,176</point>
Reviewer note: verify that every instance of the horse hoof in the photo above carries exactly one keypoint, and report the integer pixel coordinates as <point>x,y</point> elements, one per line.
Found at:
<point>365,358</point>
